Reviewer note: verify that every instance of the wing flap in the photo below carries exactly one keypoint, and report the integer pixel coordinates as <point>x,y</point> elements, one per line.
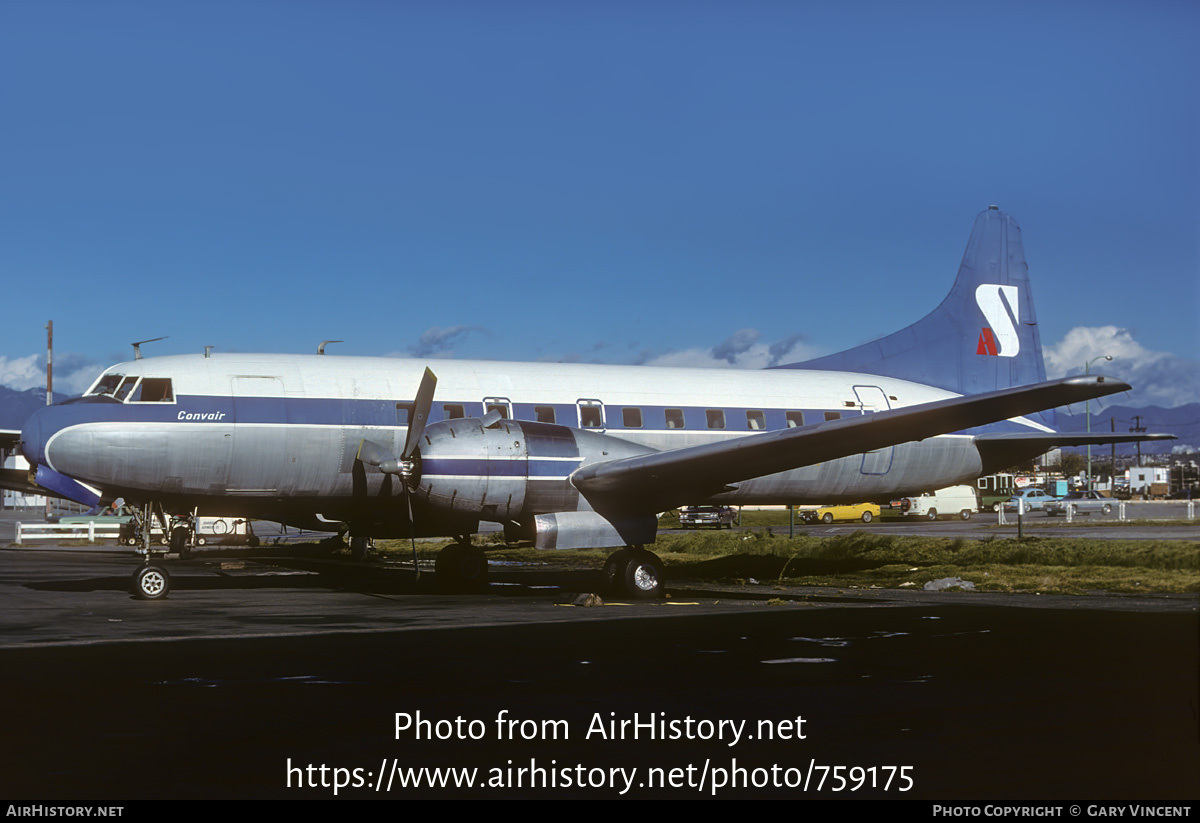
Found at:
<point>664,479</point>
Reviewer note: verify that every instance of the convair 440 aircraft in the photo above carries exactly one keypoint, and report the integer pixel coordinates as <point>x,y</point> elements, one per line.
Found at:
<point>570,455</point>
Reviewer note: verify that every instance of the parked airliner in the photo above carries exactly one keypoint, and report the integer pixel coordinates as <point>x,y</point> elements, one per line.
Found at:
<point>570,455</point>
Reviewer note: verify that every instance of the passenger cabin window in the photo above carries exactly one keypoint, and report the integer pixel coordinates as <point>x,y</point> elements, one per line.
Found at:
<point>833,415</point>
<point>499,407</point>
<point>452,411</point>
<point>544,414</point>
<point>403,413</point>
<point>631,418</point>
<point>591,414</point>
<point>755,421</point>
<point>716,418</point>
<point>795,419</point>
<point>674,418</point>
<point>154,390</point>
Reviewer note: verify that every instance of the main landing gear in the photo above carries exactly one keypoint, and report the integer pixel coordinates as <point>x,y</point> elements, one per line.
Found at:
<point>634,572</point>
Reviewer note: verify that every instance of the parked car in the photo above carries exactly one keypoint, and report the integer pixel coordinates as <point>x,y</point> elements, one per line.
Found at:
<point>866,512</point>
<point>100,515</point>
<point>695,517</point>
<point>1035,500</point>
<point>953,501</point>
<point>1085,502</point>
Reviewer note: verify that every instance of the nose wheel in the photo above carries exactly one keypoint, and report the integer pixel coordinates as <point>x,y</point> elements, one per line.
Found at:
<point>151,582</point>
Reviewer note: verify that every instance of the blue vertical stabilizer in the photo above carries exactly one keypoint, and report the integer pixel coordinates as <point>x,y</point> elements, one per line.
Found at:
<point>984,335</point>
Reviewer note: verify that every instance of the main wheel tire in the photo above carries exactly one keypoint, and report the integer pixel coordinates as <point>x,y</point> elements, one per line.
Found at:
<point>614,570</point>
<point>1106,508</point>
<point>643,576</point>
<point>358,548</point>
<point>995,507</point>
<point>932,514</point>
<point>827,517</point>
<point>151,582</point>
<point>965,514</point>
<point>867,517</point>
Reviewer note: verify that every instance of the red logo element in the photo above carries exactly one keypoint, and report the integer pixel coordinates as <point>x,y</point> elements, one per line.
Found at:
<point>987,343</point>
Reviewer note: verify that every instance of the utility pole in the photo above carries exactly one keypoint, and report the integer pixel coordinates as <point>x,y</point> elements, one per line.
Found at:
<point>49,382</point>
<point>1112,476</point>
<point>1139,428</point>
<point>49,362</point>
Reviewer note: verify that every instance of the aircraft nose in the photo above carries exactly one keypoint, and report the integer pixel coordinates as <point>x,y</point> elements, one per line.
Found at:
<point>31,439</point>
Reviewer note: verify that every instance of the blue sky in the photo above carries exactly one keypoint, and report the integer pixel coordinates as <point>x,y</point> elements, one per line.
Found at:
<point>725,184</point>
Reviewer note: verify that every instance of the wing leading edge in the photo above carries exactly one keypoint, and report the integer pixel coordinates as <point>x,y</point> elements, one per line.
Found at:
<point>654,482</point>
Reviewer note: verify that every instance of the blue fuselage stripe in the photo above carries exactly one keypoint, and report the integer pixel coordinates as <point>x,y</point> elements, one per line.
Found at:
<point>307,411</point>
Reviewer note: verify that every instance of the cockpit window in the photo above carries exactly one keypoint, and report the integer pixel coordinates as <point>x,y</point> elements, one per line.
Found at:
<point>107,384</point>
<point>134,389</point>
<point>125,388</point>
<point>153,390</point>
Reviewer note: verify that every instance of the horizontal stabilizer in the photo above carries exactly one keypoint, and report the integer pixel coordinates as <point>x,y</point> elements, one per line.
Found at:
<point>1056,440</point>
<point>1004,450</point>
<point>655,482</point>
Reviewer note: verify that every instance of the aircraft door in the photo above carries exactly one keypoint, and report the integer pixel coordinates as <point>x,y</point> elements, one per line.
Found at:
<point>870,400</point>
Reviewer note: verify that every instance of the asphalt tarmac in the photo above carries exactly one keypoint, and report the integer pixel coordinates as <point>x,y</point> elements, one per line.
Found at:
<point>320,679</point>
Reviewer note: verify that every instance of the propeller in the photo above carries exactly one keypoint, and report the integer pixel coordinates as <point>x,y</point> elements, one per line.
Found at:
<point>373,454</point>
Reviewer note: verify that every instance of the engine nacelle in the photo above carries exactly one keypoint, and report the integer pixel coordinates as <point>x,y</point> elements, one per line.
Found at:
<point>512,471</point>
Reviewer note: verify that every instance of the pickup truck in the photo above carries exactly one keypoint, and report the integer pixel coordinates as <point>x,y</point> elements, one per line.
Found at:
<point>695,517</point>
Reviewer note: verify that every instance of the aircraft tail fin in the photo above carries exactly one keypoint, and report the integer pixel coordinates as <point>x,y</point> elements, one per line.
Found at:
<point>983,336</point>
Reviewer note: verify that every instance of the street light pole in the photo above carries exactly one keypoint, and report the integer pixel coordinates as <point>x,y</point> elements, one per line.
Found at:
<point>1087,369</point>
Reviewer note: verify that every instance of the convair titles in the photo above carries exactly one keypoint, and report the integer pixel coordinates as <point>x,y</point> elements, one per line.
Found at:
<point>187,415</point>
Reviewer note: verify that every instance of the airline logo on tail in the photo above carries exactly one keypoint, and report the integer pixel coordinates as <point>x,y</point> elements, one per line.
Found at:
<point>999,307</point>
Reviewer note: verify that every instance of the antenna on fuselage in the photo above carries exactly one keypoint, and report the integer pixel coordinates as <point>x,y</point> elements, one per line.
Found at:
<point>137,347</point>
<point>324,343</point>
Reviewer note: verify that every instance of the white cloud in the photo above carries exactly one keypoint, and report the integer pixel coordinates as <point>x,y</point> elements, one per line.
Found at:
<point>1158,378</point>
<point>21,373</point>
<point>72,373</point>
<point>741,350</point>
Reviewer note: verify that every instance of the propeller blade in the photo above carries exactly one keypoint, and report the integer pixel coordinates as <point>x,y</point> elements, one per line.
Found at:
<point>420,413</point>
<point>491,418</point>
<point>412,534</point>
<point>376,455</point>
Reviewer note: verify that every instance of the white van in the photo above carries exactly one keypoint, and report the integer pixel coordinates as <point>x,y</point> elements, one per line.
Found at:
<point>948,502</point>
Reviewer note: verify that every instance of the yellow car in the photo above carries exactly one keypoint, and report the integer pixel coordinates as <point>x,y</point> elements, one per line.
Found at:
<point>866,512</point>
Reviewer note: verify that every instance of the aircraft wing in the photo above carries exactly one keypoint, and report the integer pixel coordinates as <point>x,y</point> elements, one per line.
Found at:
<point>17,480</point>
<point>661,480</point>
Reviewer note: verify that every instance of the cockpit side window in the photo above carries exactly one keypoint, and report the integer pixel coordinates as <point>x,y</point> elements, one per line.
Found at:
<point>154,390</point>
